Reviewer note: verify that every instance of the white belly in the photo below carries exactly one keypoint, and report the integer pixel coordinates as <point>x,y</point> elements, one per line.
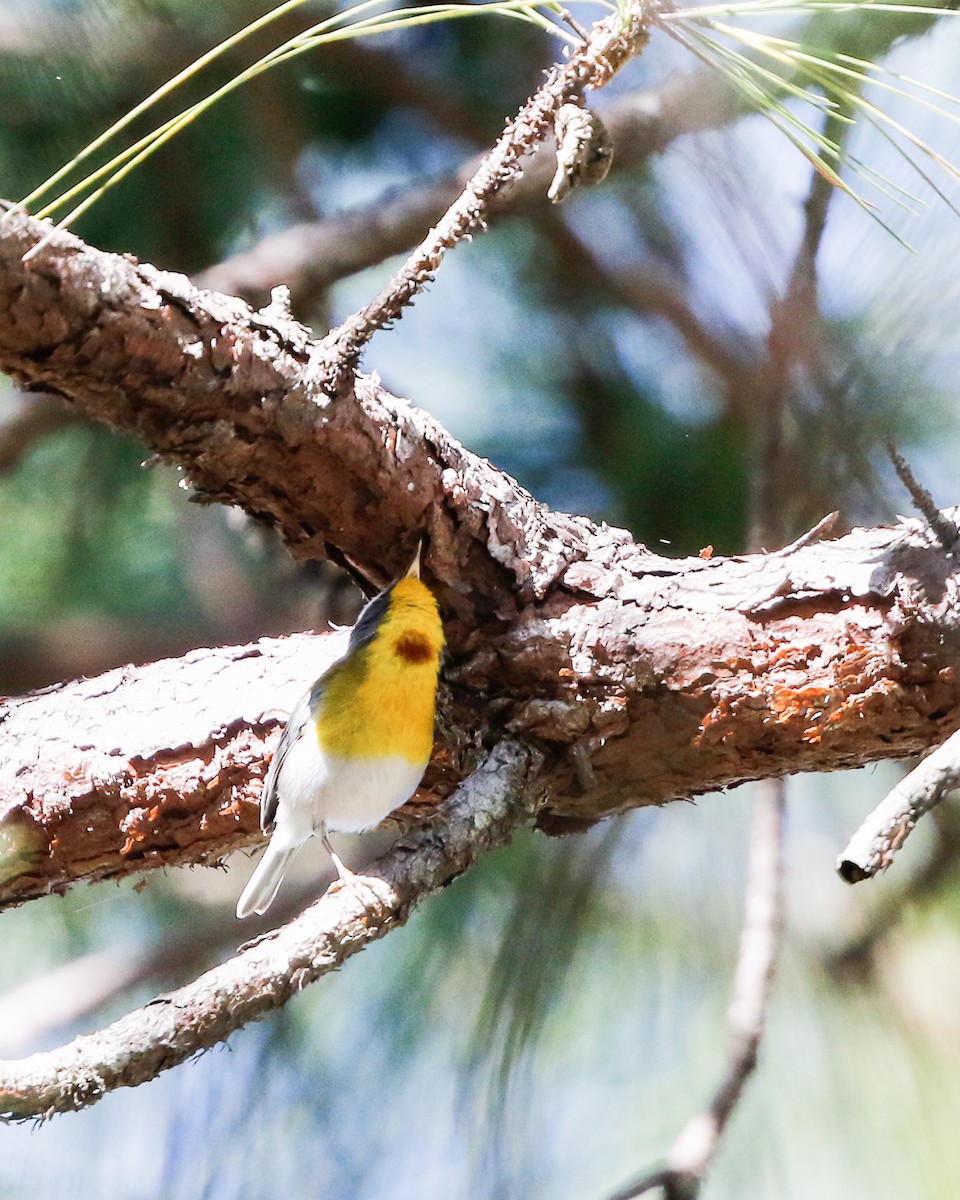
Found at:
<point>347,794</point>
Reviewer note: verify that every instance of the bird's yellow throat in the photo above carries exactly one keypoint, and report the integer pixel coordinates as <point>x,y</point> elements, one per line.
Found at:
<point>381,702</point>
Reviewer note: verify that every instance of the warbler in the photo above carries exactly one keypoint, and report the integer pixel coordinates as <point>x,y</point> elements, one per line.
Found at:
<point>357,744</point>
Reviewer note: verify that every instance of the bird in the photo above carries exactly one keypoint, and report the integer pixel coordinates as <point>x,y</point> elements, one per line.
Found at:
<point>358,742</point>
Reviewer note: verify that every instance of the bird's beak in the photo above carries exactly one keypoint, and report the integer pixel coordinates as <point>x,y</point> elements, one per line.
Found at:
<point>413,571</point>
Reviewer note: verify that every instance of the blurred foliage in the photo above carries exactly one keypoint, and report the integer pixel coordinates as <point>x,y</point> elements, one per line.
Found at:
<point>545,1026</point>
<point>112,546</point>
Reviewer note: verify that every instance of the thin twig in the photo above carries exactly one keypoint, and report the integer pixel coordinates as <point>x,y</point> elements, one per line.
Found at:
<point>691,1154</point>
<point>688,1160</point>
<point>311,256</point>
<point>794,341</point>
<point>612,42</point>
<point>947,533</point>
<point>873,846</point>
<point>574,24</point>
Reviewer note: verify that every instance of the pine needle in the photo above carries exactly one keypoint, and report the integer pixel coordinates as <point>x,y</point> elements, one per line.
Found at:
<point>354,22</point>
<point>827,81</point>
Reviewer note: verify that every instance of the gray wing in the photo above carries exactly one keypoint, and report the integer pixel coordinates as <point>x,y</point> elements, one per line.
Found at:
<point>298,718</point>
<point>362,634</point>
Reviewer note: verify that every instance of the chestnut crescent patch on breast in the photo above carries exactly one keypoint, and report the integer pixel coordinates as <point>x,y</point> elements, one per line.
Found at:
<point>413,648</point>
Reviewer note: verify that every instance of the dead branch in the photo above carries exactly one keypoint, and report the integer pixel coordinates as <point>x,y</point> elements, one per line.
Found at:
<point>310,256</point>
<point>858,957</point>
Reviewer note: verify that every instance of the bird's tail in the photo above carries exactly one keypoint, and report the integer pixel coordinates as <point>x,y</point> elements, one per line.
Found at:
<point>265,882</point>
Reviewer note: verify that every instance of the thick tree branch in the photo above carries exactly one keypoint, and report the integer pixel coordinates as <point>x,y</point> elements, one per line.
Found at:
<point>484,812</point>
<point>144,765</point>
<point>645,678</point>
<point>624,678</point>
<point>237,399</point>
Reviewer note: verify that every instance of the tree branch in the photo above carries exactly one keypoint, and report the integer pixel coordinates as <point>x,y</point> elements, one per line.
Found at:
<point>236,398</point>
<point>945,529</point>
<point>673,677</point>
<point>310,256</point>
<point>623,677</point>
<point>103,776</point>
<point>484,812</point>
<point>612,41</point>
<point>858,957</point>
<point>666,678</point>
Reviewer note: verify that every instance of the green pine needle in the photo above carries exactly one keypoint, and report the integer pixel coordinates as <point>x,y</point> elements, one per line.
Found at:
<point>359,20</point>
<point>830,82</point>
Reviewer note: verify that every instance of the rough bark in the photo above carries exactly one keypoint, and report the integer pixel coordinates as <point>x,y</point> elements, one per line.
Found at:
<point>622,677</point>
<point>645,678</point>
<point>235,398</point>
<point>143,766</point>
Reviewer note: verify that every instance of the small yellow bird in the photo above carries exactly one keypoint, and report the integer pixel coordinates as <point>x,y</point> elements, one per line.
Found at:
<point>357,744</point>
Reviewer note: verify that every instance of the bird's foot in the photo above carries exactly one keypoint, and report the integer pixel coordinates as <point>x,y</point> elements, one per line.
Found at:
<point>362,887</point>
